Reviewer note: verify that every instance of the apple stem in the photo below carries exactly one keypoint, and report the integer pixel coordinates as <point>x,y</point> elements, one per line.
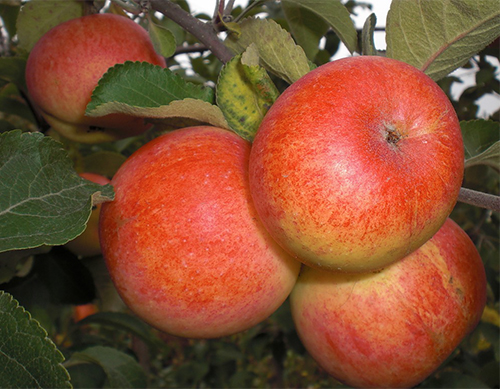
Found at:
<point>479,199</point>
<point>201,30</point>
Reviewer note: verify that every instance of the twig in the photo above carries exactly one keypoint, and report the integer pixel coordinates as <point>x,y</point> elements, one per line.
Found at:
<point>204,32</point>
<point>479,199</point>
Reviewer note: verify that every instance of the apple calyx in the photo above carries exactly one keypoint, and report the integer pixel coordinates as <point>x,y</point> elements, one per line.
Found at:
<point>392,134</point>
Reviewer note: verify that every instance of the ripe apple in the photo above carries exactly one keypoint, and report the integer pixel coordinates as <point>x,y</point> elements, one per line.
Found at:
<point>357,164</point>
<point>393,327</point>
<point>66,64</point>
<point>87,243</point>
<point>82,311</point>
<point>182,240</point>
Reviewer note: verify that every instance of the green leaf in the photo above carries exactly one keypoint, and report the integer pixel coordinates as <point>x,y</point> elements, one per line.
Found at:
<point>18,262</point>
<point>29,359</point>
<point>245,93</point>
<point>368,46</point>
<point>481,143</point>
<point>452,379</point>
<point>181,113</point>
<point>8,14</point>
<point>42,199</point>
<point>122,371</point>
<point>12,69</point>
<point>306,26</point>
<point>277,51</point>
<point>124,321</point>
<point>336,15</point>
<point>437,37</point>
<point>12,106</point>
<point>163,40</point>
<point>103,162</point>
<point>133,86</point>
<point>39,16</point>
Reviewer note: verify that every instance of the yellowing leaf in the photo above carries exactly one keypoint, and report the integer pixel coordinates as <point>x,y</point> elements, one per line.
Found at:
<point>245,93</point>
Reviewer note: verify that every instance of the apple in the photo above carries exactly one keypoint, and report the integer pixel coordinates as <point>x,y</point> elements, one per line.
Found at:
<point>82,311</point>
<point>357,164</point>
<point>87,243</point>
<point>66,64</point>
<point>393,327</point>
<point>182,240</point>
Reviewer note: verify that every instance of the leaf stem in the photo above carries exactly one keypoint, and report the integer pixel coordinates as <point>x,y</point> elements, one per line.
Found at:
<point>204,32</point>
<point>479,199</point>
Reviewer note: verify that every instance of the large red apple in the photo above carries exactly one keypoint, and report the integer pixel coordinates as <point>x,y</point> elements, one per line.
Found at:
<point>87,243</point>
<point>66,64</point>
<point>182,240</point>
<point>357,164</point>
<point>394,327</point>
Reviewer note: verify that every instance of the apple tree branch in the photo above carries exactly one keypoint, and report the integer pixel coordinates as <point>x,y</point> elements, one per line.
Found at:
<point>204,32</point>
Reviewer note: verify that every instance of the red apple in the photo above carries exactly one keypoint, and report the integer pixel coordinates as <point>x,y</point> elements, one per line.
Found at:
<point>182,240</point>
<point>66,64</point>
<point>357,164</point>
<point>82,311</point>
<point>87,243</point>
<point>394,327</point>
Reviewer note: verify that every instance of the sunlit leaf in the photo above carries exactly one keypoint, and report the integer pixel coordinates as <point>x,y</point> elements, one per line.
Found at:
<point>134,86</point>
<point>437,37</point>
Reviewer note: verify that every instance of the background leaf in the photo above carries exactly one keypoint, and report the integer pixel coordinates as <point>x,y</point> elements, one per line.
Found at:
<point>306,26</point>
<point>368,46</point>
<point>437,37</point>
<point>123,321</point>
<point>42,199</point>
<point>335,14</point>
<point>131,85</point>
<point>122,371</point>
<point>12,69</point>
<point>9,13</point>
<point>278,52</point>
<point>244,94</point>
<point>481,142</point>
<point>163,40</point>
<point>39,16</point>
<point>28,357</point>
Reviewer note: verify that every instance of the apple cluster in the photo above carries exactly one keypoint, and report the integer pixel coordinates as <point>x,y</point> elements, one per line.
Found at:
<point>340,204</point>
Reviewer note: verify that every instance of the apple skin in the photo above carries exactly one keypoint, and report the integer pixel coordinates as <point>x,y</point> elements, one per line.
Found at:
<point>357,164</point>
<point>87,243</point>
<point>394,327</point>
<point>66,64</point>
<point>182,240</point>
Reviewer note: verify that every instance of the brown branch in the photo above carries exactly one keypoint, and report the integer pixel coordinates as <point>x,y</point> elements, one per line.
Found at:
<point>479,199</point>
<point>204,32</point>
